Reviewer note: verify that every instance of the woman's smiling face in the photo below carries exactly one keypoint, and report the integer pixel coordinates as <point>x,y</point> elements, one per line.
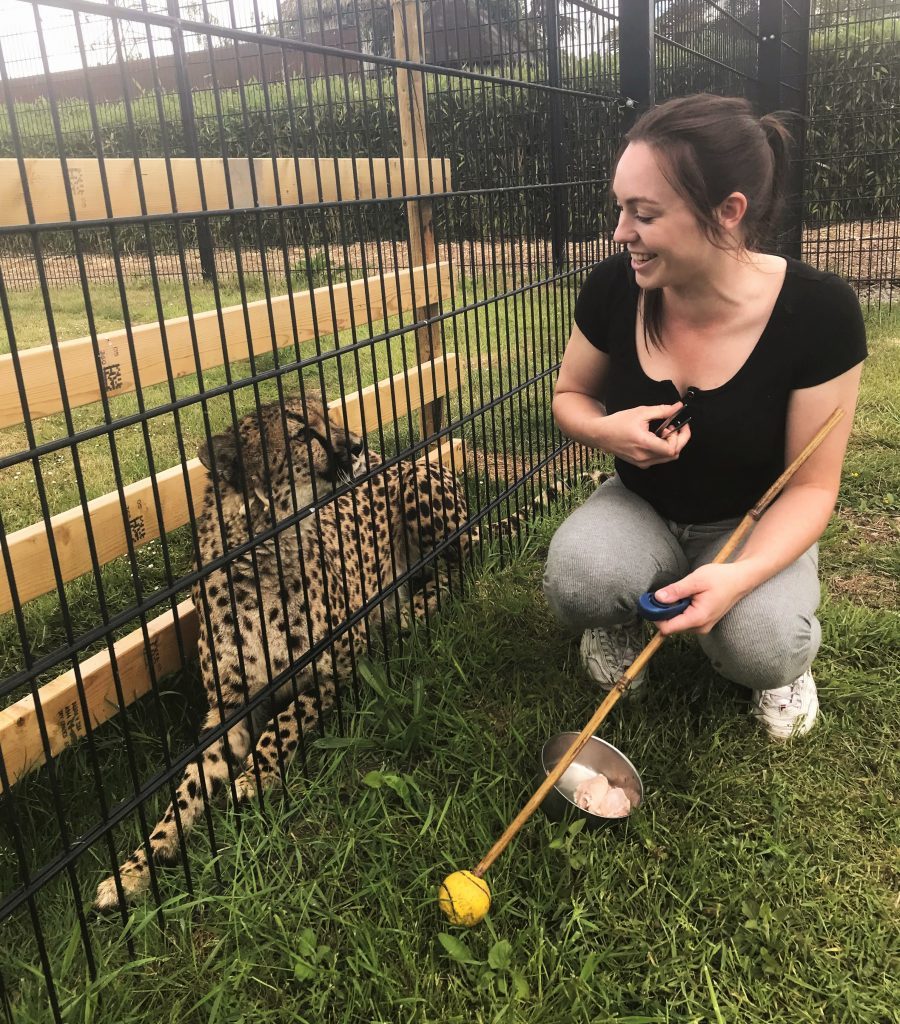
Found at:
<point>667,243</point>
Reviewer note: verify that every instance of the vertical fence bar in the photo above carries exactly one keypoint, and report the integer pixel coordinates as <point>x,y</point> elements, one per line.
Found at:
<point>408,45</point>
<point>637,57</point>
<point>774,95</point>
<point>801,32</point>
<point>770,39</point>
<point>189,127</point>
<point>558,198</point>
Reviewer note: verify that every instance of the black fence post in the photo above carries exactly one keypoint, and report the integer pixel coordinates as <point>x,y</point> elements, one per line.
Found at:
<point>186,103</point>
<point>770,55</point>
<point>637,57</point>
<point>558,197</point>
<point>783,60</point>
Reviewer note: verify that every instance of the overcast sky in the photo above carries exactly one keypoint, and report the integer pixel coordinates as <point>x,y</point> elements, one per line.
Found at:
<point>21,51</point>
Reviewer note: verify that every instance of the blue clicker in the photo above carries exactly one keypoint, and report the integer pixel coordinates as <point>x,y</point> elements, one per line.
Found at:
<point>655,611</point>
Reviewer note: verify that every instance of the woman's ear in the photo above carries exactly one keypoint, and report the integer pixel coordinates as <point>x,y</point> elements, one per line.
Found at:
<point>731,210</point>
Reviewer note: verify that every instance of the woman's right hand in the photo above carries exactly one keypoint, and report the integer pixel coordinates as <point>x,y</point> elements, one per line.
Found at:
<point>581,416</point>
<point>628,436</point>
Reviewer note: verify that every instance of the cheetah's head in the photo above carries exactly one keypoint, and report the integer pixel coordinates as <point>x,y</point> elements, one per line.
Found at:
<point>283,445</point>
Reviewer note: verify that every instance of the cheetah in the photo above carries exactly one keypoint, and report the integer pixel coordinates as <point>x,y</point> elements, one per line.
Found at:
<point>261,610</point>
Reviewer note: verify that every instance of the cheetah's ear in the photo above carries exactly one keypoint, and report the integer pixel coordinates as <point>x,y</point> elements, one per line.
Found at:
<point>225,456</point>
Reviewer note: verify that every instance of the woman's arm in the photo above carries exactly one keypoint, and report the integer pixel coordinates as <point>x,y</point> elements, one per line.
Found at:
<point>581,416</point>
<point>794,522</point>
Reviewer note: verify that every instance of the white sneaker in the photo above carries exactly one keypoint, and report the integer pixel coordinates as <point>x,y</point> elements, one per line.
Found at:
<point>788,711</point>
<point>606,653</point>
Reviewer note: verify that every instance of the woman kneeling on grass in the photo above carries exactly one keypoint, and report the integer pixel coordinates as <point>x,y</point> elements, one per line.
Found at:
<point>767,347</point>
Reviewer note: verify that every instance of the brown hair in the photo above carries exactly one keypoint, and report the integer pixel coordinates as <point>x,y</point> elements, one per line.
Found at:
<point>710,146</point>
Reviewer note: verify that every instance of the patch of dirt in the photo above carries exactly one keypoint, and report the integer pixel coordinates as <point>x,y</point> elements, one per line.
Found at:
<point>496,466</point>
<point>20,271</point>
<point>864,253</point>
<point>872,528</point>
<point>865,587</point>
<point>864,584</point>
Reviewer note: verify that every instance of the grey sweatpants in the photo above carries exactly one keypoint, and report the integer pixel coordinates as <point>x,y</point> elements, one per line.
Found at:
<point>616,546</point>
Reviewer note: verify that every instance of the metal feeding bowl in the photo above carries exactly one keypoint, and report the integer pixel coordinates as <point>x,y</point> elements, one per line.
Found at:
<point>595,757</point>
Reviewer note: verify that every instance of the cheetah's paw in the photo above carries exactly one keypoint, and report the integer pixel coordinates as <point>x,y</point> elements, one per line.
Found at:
<point>245,786</point>
<point>107,898</point>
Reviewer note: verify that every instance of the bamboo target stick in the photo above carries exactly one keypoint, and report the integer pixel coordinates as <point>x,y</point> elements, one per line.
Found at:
<point>647,653</point>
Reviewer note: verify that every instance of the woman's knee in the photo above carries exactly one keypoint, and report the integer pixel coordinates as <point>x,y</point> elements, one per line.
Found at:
<point>581,583</point>
<point>771,637</point>
<point>595,583</point>
<point>605,555</point>
<point>765,651</point>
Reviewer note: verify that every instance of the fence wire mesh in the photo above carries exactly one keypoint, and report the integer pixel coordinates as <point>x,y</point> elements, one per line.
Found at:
<point>707,47</point>
<point>214,208</point>
<point>851,188</point>
<point>296,264</point>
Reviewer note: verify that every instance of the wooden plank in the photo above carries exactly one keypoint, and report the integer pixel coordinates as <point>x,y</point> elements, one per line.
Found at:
<point>20,736</point>
<point>321,180</point>
<point>323,311</point>
<point>406,391</point>
<point>29,547</point>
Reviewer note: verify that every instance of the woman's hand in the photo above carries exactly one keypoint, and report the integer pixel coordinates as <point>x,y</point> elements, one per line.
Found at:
<point>581,415</point>
<point>628,436</point>
<point>713,589</point>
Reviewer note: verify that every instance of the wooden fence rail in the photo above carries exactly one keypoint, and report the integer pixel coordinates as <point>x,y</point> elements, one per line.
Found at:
<point>227,184</point>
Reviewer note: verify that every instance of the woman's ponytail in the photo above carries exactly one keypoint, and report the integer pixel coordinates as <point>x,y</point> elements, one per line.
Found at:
<point>779,139</point>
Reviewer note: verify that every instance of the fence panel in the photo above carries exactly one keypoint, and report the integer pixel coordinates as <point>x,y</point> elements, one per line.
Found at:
<point>386,228</point>
<point>704,46</point>
<point>382,204</point>
<point>851,194</point>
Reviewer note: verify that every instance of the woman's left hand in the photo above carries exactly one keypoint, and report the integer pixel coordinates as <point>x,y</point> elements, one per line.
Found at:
<point>713,589</point>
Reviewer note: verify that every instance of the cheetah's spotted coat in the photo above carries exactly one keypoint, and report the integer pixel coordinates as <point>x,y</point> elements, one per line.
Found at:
<point>263,609</point>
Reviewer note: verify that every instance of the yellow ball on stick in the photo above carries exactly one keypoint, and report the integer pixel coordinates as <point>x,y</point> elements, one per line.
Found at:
<point>464,898</point>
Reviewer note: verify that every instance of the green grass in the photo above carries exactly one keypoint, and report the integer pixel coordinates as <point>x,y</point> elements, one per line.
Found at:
<point>757,884</point>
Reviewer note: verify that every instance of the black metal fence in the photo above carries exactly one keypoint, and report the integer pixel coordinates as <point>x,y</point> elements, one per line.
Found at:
<point>387,204</point>
<point>851,188</point>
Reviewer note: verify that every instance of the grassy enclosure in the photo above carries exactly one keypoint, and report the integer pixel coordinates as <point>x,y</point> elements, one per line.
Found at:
<point>757,882</point>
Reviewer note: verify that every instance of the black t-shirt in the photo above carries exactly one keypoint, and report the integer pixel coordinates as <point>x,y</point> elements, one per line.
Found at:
<point>736,450</point>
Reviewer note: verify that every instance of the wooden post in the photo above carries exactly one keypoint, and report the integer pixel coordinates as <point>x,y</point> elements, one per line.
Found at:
<point>408,45</point>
